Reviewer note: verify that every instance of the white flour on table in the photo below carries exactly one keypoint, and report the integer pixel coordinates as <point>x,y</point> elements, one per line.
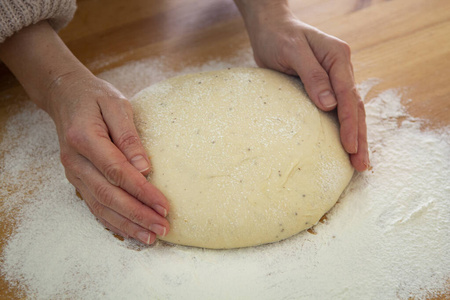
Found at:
<point>388,237</point>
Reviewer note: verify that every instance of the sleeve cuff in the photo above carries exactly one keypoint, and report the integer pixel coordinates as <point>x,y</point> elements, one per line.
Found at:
<point>17,14</point>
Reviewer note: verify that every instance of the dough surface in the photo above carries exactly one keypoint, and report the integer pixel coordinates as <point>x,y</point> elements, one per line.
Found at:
<point>242,154</point>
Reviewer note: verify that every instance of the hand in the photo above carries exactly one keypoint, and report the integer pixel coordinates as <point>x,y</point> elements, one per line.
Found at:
<point>100,148</point>
<point>283,43</point>
<point>104,158</point>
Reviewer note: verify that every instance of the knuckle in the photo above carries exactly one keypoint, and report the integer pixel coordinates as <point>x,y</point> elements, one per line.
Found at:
<point>128,139</point>
<point>74,136</point>
<point>348,113</point>
<point>136,216</point>
<point>348,92</point>
<point>345,48</point>
<point>348,116</point>
<point>114,173</point>
<point>345,117</point>
<point>97,209</point>
<point>125,226</point>
<point>104,195</point>
<point>317,76</point>
<point>66,159</point>
<point>141,188</point>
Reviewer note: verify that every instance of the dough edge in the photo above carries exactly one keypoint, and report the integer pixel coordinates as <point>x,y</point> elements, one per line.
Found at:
<point>219,233</point>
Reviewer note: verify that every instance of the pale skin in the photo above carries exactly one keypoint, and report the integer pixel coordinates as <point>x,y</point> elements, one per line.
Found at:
<point>100,149</point>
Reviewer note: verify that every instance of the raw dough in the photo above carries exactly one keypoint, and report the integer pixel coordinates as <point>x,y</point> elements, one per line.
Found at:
<point>242,154</point>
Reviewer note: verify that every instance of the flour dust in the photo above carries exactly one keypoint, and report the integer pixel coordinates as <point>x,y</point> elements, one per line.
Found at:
<point>387,238</point>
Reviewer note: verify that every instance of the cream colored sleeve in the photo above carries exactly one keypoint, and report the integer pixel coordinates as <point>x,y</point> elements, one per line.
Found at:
<point>17,14</point>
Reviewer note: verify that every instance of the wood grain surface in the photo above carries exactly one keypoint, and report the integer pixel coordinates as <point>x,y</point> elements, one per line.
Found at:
<point>404,43</point>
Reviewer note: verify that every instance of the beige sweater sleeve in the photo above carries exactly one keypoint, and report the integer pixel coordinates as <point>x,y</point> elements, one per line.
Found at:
<point>17,14</point>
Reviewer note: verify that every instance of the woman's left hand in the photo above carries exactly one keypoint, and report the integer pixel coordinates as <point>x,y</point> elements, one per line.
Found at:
<point>283,43</point>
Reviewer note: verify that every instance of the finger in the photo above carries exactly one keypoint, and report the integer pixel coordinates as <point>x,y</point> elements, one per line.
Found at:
<point>318,86</point>
<point>360,160</point>
<point>113,229</point>
<point>337,62</point>
<point>118,115</point>
<point>341,75</point>
<point>314,77</point>
<point>123,226</point>
<point>81,191</point>
<point>112,163</point>
<point>114,221</point>
<point>102,221</point>
<point>123,204</point>
<point>118,200</point>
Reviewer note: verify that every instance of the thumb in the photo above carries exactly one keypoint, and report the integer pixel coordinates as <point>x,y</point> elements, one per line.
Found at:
<point>118,116</point>
<point>315,79</point>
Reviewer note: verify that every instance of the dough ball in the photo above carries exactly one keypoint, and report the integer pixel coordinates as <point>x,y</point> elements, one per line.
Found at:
<point>243,156</point>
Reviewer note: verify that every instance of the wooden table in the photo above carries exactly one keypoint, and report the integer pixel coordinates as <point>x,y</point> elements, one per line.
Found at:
<point>405,43</point>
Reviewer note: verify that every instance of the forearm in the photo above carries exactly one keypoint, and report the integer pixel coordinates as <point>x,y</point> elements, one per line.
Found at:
<point>38,57</point>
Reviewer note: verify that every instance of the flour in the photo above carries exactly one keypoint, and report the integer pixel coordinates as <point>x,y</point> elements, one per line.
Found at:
<point>388,237</point>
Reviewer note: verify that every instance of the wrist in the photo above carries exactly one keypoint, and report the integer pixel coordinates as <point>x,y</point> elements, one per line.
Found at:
<point>63,90</point>
<point>258,12</point>
<point>39,59</point>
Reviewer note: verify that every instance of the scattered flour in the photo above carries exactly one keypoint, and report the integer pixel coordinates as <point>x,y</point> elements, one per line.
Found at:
<point>387,238</point>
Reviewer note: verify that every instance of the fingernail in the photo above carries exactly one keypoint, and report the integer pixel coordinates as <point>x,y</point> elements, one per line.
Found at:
<point>327,99</point>
<point>158,229</point>
<point>160,210</point>
<point>367,162</point>
<point>144,237</point>
<point>140,163</point>
<point>352,145</point>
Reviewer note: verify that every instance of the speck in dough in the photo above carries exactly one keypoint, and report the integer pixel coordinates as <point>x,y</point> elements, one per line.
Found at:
<point>242,154</point>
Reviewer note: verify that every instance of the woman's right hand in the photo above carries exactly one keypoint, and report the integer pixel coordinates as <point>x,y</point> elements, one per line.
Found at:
<point>100,148</point>
<point>104,158</point>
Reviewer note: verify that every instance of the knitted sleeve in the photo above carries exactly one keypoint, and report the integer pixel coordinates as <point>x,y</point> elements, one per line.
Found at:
<point>17,14</point>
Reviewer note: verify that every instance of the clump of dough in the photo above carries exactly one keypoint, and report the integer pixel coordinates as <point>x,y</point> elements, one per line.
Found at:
<point>243,155</point>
